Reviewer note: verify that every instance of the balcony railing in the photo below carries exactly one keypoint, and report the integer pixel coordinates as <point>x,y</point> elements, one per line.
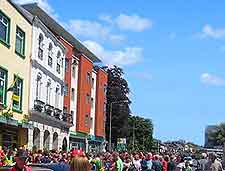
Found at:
<point>38,105</point>
<point>51,111</point>
<point>57,113</point>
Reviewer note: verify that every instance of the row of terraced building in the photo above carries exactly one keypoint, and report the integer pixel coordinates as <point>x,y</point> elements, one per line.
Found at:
<point>52,91</point>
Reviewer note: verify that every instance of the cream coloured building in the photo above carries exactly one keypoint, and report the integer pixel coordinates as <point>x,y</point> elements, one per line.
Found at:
<point>15,52</point>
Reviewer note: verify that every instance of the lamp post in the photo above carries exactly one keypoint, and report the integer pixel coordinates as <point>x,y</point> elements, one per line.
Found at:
<point>110,121</point>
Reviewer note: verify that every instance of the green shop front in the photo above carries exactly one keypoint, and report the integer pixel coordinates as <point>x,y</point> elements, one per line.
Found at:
<point>78,140</point>
<point>95,143</point>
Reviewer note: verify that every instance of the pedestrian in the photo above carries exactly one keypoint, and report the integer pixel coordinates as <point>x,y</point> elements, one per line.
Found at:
<point>149,161</point>
<point>137,162</point>
<point>157,165</point>
<point>216,165</point>
<point>118,163</point>
<point>80,164</point>
<point>187,166</point>
<point>171,164</point>
<point>21,161</point>
<point>165,163</point>
<point>202,162</point>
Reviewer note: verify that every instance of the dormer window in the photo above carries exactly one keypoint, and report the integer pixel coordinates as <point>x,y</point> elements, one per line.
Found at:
<point>40,48</point>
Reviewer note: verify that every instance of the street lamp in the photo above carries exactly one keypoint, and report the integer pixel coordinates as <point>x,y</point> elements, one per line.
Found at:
<point>110,121</point>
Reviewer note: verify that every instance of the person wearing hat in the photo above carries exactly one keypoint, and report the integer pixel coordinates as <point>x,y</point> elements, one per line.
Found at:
<point>21,161</point>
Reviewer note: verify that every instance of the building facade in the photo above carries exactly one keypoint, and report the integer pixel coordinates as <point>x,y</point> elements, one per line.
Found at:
<point>50,120</point>
<point>15,48</point>
<point>84,96</point>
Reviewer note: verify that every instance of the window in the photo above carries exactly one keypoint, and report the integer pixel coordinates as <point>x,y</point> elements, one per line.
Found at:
<point>50,53</point>
<point>20,42</point>
<point>66,65</point>
<point>58,62</point>
<point>72,117</point>
<point>57,95</point>
<point>92,102</point>
<point>3,85</point>
<point>48,95</point>
<point>66,89</point>
<point>4,29</point>
<point>50,61</point>
<point>86,120</point>
<point>38,86</point>
<point>17,94</point>
<point>74,71</point>
<point>105,89</point>
<point>91,122</point>
<point>89,77</point>
<point>40,48</point>
<point>92,82</point>
<point>87,99</point>
<point>73,94</point>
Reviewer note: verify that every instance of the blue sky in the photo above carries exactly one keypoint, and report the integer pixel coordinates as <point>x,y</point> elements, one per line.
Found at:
<point>172,52</point>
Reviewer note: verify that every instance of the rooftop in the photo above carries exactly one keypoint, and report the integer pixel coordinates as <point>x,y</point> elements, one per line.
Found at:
<point>57,29</point>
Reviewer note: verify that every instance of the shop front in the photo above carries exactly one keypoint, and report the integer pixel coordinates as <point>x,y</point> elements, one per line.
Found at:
<point>13,134</point>
<point>95,144</point>
<point>78,141</point>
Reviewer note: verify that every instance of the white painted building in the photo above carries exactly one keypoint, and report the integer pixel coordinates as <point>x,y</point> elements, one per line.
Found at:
<point>74,88</point>
<point>91,144</point>
<point>47,91</point>
<point>93,101</point>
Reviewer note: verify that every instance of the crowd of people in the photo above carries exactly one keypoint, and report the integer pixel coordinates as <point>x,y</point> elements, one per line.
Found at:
<point>108,161</point>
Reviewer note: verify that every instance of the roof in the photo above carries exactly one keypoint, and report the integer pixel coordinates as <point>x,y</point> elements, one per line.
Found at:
<point>22,11</point>
<point>56,28</point>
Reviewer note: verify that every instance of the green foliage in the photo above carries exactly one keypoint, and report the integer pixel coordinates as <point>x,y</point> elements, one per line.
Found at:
<point>140,134</point>
<point>218,135</point>
<point>25,119</point>
<point>8,114</point>
<point>117,91</point>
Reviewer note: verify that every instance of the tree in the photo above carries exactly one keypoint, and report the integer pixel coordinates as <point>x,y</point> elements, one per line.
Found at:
<point>140,133</point>
<point>117,91</point>
<point>218,134</point>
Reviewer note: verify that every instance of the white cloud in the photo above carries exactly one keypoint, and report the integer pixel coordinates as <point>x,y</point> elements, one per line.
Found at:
<point>133,22</point>
<point>93,29</point>
<point>216,33</point>
<point>42,3</point>
<point>210,79</point>
<point>127,56</point>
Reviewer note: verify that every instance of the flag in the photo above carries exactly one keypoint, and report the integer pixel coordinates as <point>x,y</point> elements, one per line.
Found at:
<point>11,88</point>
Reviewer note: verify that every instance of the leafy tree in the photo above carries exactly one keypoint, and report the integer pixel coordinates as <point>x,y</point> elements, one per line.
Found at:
<point>140,133</point>
<point>218,134</point>
<point>117,94</point>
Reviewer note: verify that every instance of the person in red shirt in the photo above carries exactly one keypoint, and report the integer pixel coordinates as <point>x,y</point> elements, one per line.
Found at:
<point>165,163</point>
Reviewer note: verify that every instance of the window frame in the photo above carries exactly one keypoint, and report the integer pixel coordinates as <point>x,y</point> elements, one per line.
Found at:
<point>21,98</point>
<point>6,87</point>
<point>21,54</point>
<point>7,41</point>
<point>86,121</point>
<point>73,94</point>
